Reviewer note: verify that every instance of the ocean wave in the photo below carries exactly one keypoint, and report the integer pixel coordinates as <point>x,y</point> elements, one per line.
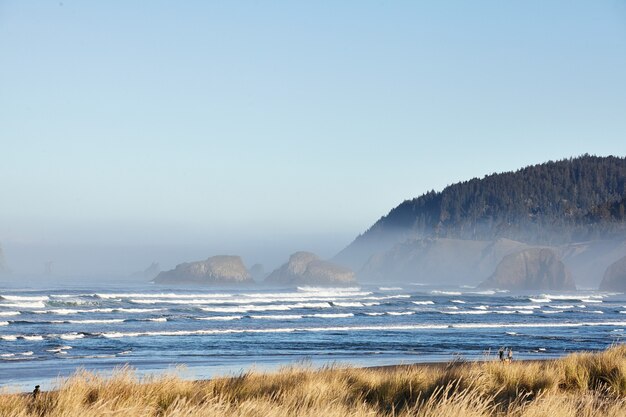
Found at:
<point>219,318</point>
<point>437,292</point>
<point>279,317</point>
<point>71,336</point>
<point>32,338</point>
<point>400,313</point>
<point>24,297</point>
<point>246,308</point>
<point>552,311</point>
<point>88,321</point>
<point>334,290</point>
<point>24,304</point>
<point>540,300</point>
<point>332,315</point>
<point>423,302</point>
<point>361,328</point>
<point>524,307</point>
<point>4,323</point>
<point>382,314</point>
<point>159,295</point>
<point>9,313</point>
<point>457,301</point>
<point>8,337</point>
<point>348,304</point>
<point>390,288</point>
<point>486,292</point>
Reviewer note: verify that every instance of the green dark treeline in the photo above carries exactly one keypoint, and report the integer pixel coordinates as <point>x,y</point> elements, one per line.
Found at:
<point>557,201</point>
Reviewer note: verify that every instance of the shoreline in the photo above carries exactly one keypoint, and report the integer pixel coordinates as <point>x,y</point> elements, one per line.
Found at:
<point>577,384</point>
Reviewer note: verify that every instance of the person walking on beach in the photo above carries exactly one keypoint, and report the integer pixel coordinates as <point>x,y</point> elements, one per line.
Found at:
<point>509,355</point>
<point>501,354</point>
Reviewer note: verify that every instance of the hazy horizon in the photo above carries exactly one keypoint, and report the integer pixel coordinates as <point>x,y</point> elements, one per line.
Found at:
<point>166,132</point>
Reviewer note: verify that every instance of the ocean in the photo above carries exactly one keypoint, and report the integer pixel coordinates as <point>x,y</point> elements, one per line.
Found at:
<point>200,332</point>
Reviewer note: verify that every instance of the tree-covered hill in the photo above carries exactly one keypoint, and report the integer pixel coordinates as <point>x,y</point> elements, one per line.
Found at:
<point>550,203</point>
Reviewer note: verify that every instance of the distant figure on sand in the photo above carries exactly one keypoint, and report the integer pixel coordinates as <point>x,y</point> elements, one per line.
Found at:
<point>501,354</point>
<point>509,355</point>
<point>36,391</point>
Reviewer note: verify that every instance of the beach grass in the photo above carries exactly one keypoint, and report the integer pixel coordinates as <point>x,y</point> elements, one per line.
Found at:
<point>581,384</point>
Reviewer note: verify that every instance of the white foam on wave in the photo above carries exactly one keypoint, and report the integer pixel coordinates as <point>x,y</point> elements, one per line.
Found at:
<point>438,292</point>
<point>311,305</point>
<point>32,338</point>
<point>390,288</point>
<point>400,313</point>
<point>157,319</point>
<point>561,306</point>
<point>137,310</point>
<point>71,336</point>
<point>278,317</point>
<point>246,308</point>
<point>4,323</point>
<point>540,300</point>
<point>332,315</point>
<point>421,303</point>
<point>334,290</point>
<point>552,311</point>
<point>160,295</point>
<point>486,292</point>
<point>522,307</point>
<point>8,337</point>
<point>24,304</point>
<point>219,318</point>
<point>481,307</point>
<point>457,301</point>
<point>360,328</point>
<point>467,312</point>
<point>88,321</point>
<point>382,314</point>
<point>9,313</point>
<point>348,304</point>
<point>25,297</point>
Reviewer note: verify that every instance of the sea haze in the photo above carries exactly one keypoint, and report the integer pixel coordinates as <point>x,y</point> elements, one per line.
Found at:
<point>50,332</point>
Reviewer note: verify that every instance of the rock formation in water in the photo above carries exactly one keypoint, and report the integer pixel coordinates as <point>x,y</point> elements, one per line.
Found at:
<point>221,269</point>
<point>615,276</point>
<point>149,273</point>
<point>438,260</point>
<point>306,268</point>
<point>531,269</point>
<point>257,272</point>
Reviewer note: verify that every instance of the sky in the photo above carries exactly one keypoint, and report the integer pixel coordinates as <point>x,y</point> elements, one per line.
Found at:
<point>133,131</point>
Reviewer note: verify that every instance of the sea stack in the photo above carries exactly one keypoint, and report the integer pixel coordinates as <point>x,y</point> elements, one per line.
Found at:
<point>531,269</point>
<point>306,268</point>
<point>615,276</point>
<point>223,269</point>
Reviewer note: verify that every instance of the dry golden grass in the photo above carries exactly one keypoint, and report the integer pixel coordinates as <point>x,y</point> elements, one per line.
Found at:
<point>583,384</point>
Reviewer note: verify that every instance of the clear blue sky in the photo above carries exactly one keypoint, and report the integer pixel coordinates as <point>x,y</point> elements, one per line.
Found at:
<point>282,123</point>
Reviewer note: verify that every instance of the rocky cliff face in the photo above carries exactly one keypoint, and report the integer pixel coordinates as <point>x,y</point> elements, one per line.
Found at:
<point>215,270</point>
<point>305,268</point>
<point>615,276</point>
<point>531,269</point>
